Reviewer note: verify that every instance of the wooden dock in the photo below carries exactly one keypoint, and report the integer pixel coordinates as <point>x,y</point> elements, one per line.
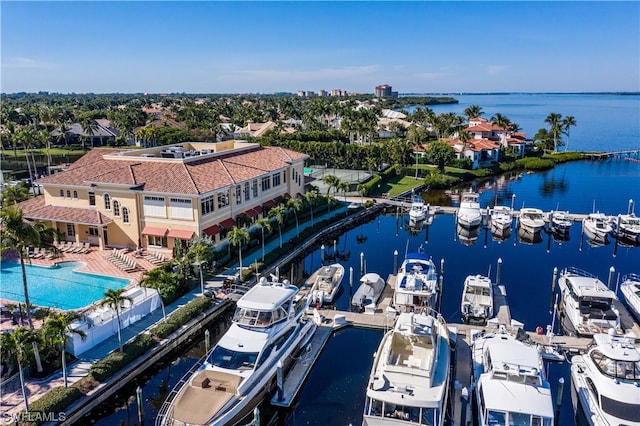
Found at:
<point>302,367</point>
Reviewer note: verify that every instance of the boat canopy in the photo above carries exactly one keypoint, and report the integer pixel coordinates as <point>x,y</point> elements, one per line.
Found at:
<point>267,297</point>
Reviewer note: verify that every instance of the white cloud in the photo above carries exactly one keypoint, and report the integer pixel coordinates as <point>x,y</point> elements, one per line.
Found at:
<point>495,69</point>
<point>20,62</point>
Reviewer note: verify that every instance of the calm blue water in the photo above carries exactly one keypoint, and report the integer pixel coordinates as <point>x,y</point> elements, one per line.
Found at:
<point>604,122</point>
<point>57,287</point>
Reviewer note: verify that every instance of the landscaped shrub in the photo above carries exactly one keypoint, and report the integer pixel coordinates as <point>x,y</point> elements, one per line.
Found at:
<point>439,181</point>
<point>53,402</point>
<point>563,157</point>
<point>534,163</point>
<point>115,361</point>
<point>180,317</point>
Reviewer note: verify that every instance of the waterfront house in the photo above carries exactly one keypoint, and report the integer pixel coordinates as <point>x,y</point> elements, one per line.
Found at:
<point>481,152</point>
<point>157,197</point>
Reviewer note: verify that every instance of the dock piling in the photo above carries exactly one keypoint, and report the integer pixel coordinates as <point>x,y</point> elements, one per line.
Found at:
<point>350,277</point>
<point>464,399</point>
<point>140,407</point>
<point>612,272</point>
<point>553,288</point>
<point>499,271</point>
<point>206,340</point>
<point>559,401</point>
<point>395,261</point>
<point>361,263</point>
<point>280,380</point>
<point>630,208</point>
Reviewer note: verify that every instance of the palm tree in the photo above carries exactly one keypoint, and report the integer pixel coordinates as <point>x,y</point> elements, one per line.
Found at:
<point>18,235</point>
<point>114,299</point>
<point>56,330</point>
<point>555,123</point>
<point>295,205</point>
<point>277,213</point>
<point>331,181</point>
<point>263,223</point>
<point>310,197</point>
<point>567,122</point>
<point>162,281</point>
<point>14,194</point>
<point>236,237</point>
<point>362,189</point>
<point>344,187</point>
<point>16,345</point>
<point>90,128</point>
<point>473,111</point>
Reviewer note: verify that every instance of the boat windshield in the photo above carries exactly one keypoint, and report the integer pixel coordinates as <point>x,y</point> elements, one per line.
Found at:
<point>415,415</point>
<point>617,369</point>
<point>257,318</point>
<point>621,410</point>
<point>232,360</point>
<point>501,418</point>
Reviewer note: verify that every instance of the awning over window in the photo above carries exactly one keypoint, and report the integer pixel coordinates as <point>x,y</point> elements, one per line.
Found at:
<point>180,234</point>
<point>228,223</point>
<point>258,209</point>
<point>154,231</point>
<point>212,230</point>
<point>287,196</point>
<point>251,213</point>
<point>270,203</point>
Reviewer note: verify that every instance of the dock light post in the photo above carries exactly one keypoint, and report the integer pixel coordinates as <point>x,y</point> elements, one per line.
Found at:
<point>499,271</point>
<point>612,272</point>
<point>558,401</point>
<point>200,264</point>
<point>464,399</point>
<point>351,277</point>
<point>553,288</point>
<point>395,261</point>
<point>140,408</point>
<point>513,202</point>
<point>335,249</point>
<point>207,341</point>
<point>322,253</point>
<point>361,263</point>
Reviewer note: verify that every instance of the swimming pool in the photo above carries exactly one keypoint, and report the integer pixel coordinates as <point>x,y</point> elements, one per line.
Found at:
<point>58,287</point>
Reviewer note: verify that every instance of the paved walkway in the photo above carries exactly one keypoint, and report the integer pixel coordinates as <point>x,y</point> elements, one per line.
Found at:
<point>11,400</point>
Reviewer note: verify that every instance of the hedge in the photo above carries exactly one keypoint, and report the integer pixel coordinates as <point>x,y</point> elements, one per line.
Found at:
<point>532,163</point>
<point>54,401</point>
<point>116,361</point>
<point>180,316</point>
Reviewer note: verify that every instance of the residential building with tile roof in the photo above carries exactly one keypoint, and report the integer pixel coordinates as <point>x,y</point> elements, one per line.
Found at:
<point>157,197</point>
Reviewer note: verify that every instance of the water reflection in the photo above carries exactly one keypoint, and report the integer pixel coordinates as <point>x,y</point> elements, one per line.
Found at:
<point>527,237</point>
<point>468,236</point>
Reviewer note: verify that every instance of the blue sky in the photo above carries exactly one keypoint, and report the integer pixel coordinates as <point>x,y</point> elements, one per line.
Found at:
<point>233,47</point>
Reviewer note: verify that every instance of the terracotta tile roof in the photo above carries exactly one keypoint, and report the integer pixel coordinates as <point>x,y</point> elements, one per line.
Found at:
<point>36,209</point>
<point>194,177</point>
<point>486,127</point>
<point>481,144</point>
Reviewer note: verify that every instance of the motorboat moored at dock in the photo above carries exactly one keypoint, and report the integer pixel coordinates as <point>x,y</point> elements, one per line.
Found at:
<point>409,380</point>
<point>605,382</point>
<point>269,328</point>
<point>597,228</point>
<point>469,213</point>
<point>326,283</point>
<point>531,220</point>
<point>477,299</point>
<point>368,293</point>
<point>630,292</point>
<point>587,306</point>
<point>416,284</point>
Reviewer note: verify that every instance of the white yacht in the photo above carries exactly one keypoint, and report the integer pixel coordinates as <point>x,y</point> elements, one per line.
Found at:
<point>268,328</point>
<point>510,386</point>
<point>409,381</point>
<point>416,284</point>
<point>417,212</point>
<point>326,283</point>
<point>630,291</point>
<point>626,226</point>
<point>605,382</point>
<point>560,221</point>
<point>596,227</point>
<point>587,306</point>
<point>531,220</point>
<point>501,220</point>
<point>477,299</point>
<point>469,213</point>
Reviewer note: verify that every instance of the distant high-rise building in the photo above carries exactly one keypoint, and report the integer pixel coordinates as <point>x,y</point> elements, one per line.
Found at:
<point>323,92</point>
<point>384,91</point>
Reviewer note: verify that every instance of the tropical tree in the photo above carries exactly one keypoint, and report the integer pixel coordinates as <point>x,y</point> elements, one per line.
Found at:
<point>501,121</point>
<point>554,120</point>
<point>567,122</point>
<point>441,154</point>
<point>310,197</point>
<point>56,330</point>
<point>344,187</point>
<point>236,237</point>
<point>331,181</point>
<point>362,190</point>
<point>165,282</point>
<point>278,213</point>
<point>90,128</point>
<point>114,299</point>
<point>264,224</point>
<point>18,235</point>
<point>295,205</point>
<point>473,111</point>
<point>16,346</point>
<point>14,194</point>
<point>543,139</point>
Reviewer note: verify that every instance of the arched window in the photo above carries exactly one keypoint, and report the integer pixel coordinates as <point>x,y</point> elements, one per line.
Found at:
<point>62,193</point>
<point>68,194</point>
<point>125,215</point>
<point>75,194</point>
<point>107,202</point>
<point>116,208</point>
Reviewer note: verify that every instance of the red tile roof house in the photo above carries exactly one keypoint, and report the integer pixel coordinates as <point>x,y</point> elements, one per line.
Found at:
<point>481,152</point>
<point>157,197</point>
